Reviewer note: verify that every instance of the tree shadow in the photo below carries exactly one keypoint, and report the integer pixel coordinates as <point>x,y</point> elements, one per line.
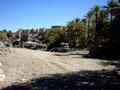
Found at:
<point>83,80</point>
<point>115,63</point>
<point>61,54</point>
<point>106,53</point>
<point>110,60</point>
<point>101,57</point>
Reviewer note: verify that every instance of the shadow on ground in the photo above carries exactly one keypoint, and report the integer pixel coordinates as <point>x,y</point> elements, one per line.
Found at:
<point>111,60</point>
<point>114,61</point>
<point>83,80</point>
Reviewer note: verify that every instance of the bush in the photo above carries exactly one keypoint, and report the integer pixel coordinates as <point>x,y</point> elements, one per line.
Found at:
<point>91,40</point>
<point>9,34</point>
<point>3,36</point>
<point>81,41</point>
<point>6,36</point>
<point>54,37</point>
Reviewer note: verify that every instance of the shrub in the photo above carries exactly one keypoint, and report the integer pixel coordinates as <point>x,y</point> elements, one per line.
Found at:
<point>81,41</point>
<point>3,36</point>
<point>6,36</point>
<point>9,34</point>
<point>54,37</point>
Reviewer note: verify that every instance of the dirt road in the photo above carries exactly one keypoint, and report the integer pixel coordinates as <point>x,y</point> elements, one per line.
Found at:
<point>21,65</point>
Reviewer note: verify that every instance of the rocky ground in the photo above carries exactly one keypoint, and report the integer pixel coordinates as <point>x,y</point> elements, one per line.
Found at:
<point>22,65</point>
<point>3,48</point>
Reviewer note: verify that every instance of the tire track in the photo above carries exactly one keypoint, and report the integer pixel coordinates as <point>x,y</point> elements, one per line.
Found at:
<point>54,63</point>
<point>2,75</point>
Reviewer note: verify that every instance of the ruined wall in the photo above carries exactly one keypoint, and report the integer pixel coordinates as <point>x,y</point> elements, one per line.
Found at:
<point>25,35</point>
<point>19,33</point>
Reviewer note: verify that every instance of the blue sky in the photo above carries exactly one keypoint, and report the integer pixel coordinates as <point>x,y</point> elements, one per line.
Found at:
<point>28,14</point>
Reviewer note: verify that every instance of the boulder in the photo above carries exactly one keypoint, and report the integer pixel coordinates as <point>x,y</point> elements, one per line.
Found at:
<point>3,48</point>
<point>31,45</point>
<point>59,49</point>
<point>43,45</point>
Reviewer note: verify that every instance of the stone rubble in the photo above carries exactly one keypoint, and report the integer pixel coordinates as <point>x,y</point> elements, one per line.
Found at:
<point>2,76</point>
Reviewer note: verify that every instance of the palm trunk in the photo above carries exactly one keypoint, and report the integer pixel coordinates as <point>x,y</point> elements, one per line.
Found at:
<point>96,32</point>
<point>88,28</point>
<point>111,16</point>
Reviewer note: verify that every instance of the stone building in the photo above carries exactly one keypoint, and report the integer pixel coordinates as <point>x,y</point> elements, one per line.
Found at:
<point>25,35</point>
<point>60,27</point>
<point>19,33</point>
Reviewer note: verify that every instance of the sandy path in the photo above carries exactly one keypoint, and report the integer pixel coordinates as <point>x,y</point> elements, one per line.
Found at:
<point>22,65</point>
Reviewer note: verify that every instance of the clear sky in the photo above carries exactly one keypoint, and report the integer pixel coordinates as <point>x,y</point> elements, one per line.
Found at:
<point>28,14</point>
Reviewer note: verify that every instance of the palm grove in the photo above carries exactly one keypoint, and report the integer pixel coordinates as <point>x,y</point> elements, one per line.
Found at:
<point>101,24</point>
<point>99,27</point>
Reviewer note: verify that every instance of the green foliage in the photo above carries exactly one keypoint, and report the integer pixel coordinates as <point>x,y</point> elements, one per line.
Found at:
<point>9,34</point>
<point>103,23</point>
<point>5,36</point>
<point>91,40</point>
<point>81,41</point>
<point>76,28</point>
<point>54,37</point>
<point>1,50</point>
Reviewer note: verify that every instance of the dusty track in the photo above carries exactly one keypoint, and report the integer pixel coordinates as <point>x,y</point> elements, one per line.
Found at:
<point>21,65</point>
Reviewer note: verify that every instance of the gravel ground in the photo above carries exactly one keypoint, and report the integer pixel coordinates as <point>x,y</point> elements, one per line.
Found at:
<point>21,65</point>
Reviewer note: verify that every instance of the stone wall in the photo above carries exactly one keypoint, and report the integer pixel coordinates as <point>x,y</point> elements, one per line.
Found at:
<point>25,35</point>
<point>31,34</point>
<point>3,48</point>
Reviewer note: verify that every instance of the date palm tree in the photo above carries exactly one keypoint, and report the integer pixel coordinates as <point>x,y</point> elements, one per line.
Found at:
<point>75,28</point>
<point>96,10</point>
<point>84,22</point>
<point>111,4</point>
<point>102,23</point>
<point>89,16</point>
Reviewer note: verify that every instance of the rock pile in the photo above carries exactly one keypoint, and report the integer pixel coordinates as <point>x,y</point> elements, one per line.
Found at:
<point>31,39</point>
<point>59,49</point>
<point>34,45</point>
<point>2,76</point>
<point>3,48</point>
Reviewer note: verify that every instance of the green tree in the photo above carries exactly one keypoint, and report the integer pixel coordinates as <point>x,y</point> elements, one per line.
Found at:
<point>102,25</point>
<point>84,22</point>
<point>111,4</point>
<point>75,29</point>
<point>3,35</point>
<point>9,34</point>
<point>115,24</point>
<point>89,16</point>
<point>54,37</point>
<point>96,10</point>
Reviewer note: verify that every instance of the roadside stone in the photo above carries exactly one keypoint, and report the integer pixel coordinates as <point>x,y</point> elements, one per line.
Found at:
<point>1,53</point>
<point>59,49</point>
<point>0,64</point>
<point>3,48</point>
<point>118,72</point>
<point>2,76</point>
